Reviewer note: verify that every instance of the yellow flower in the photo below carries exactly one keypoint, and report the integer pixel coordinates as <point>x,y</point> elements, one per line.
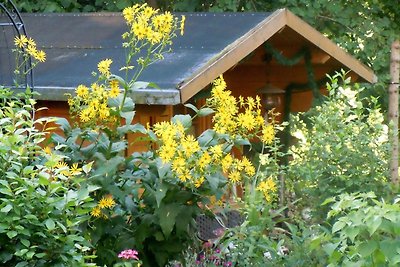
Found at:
<point>268,185</point>
<point>183,18</point>
<point>96,212</point>
<point>148,12</point>
<point>226,162</point>
<point>31,50</point>
<point>246,120</point>
<point>63,168</point>
<point>85,115</point>
<point>268,134</point>
<point>178,165</point>
<point>47,150</point>
<point>204,160</point>
<point>167,151</point>
<point>82,91</point>
<point>106,202</point>
<point>104,67</point>
<point>40,56</point>
<point>129,13</point>
<point>216,152</point>
<point>114,85</point>
<point>31,42</point>
<point>104,111</point>
<point>75,170</point>
<point>20,41</point>
<point>234,176</point>
<point>185,176</point>
<point>199,182</point>
<point>190,145</point>
<point>248,166</point>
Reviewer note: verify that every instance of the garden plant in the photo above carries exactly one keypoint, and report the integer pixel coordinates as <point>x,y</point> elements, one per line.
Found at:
<point>78,199</point>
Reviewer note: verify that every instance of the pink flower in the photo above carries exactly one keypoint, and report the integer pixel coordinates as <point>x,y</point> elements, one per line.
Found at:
<point>129,254</point>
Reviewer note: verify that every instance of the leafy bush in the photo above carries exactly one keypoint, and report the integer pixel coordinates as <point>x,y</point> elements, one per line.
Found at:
<point>42,206</point>
<point>341,146</point>
<point>365,231</point>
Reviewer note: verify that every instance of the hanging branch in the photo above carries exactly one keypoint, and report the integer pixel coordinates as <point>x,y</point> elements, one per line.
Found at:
<point>394,110</point>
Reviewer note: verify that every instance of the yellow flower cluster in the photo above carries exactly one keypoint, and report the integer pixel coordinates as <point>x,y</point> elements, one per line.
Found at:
<point>107,202</point>
<point>91,104</point>
<point>192,163</point>
<point>240,117</point>
<point>104,67</point>
<point>267,187</point>
<point>62,168</point>
<point>29,45</point>
<point>146,24</point>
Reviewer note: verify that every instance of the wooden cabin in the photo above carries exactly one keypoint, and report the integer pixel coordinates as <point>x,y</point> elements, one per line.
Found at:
<point>256,52</point>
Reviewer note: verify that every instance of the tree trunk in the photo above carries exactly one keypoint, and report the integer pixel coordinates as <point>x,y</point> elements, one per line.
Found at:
<point>394,109</point>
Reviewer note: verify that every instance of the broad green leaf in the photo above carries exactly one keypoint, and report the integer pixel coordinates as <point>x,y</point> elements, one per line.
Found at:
<point>50,224</point>
<point>87,167</point>
<point>64,124</point>
<point>367,248</point>
<point>167,215</point>
<point>7,208</point>
<point>122,130</point>
<point>139,85</point>
<point>25,242</point>
<point>337,226</point>
<point>128,116</point>
<point>192,107</point>
<point>12,234</point>
<point>373,224</point>
<point>185,120</point>
<point>160,193</point>
<point>205,112</point>
<point>207,138</point>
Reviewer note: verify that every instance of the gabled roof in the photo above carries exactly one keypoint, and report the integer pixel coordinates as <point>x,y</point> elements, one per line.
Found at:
<point>213,43</point>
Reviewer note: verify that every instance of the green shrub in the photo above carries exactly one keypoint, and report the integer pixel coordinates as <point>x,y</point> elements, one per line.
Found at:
<point>365,231</point>
<point>42,206</point>
<point>342,146</point>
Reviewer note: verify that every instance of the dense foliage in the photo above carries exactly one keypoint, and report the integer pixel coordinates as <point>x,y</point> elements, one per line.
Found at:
<point>43,207</point>
<point>341,146</point>
<point>81,201</point>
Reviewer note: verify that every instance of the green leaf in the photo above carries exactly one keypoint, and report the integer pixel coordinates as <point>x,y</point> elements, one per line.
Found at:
<point>128,116</point>
<point>64,124</point>
<point>352,232</point>
<point>122,130</point>
<point>192,107</point>
<point>167,215</point>
<point>12,234</point>
<point>118,146</point>
<point>367,248</point>
<point>87,168</point>
<point>7,208</point>
<point>208,138</point>
<point>25,242</point>
<point>205,112</point>
<point>373,224</point>
<point>160,193</point>
<point>337,226</point>
<point>185,120</point>
<point>139,85</point>
<point>50,224</point>
<point>330,247</point>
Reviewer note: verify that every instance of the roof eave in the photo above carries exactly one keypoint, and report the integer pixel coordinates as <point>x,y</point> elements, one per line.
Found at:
<point>329,47</point>
<point>140,96</point>
<point>239,49</point>
<point>232,54</point>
